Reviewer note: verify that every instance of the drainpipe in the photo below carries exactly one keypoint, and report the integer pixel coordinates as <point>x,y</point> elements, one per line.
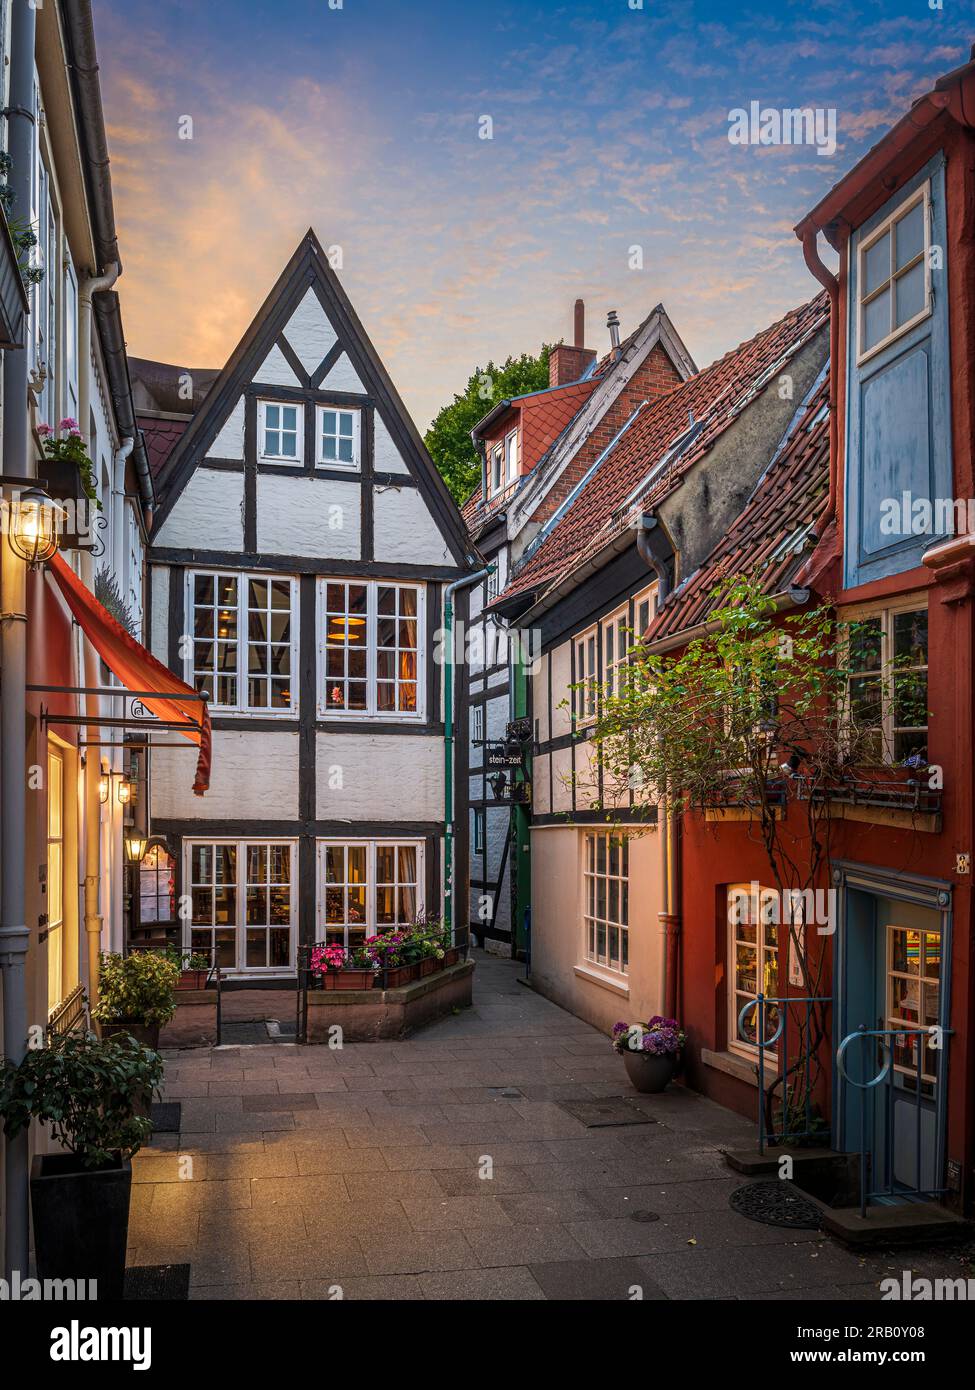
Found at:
<point>831,285</point>
<point>448,739</point>
<point>118,509</point>
<point>90,286</point>
<point>655,551</point>
<point>17,462</point>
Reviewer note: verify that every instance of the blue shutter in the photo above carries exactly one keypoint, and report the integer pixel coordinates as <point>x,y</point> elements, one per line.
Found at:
<point>898,436</point>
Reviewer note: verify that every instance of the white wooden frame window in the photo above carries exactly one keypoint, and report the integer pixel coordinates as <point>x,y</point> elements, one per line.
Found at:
<point>55,877</point>
<point>368,886</point>
<point>585,692</point>
<point>606,900</point>
<point>280,432</point>
<point>338,435</point>
<point>496,470</point>
<point>371,649</point>
<point>243,902</point>
<point>889,666</point>
<point>512,453</point>
<point>245,641</point>
<point>753,963</point>
<point>894,275</point>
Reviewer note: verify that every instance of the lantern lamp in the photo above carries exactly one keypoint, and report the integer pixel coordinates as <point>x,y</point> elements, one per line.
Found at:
<point>135,847</point>
<point>104,786</point>
<point>33,526</point>
<point>126,791</point>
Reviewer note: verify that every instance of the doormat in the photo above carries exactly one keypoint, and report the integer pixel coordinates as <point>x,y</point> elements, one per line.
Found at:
<point>605,1114</point>
<point>157,1284</point>
<point>775,1204</point>
<point>166,1116</point>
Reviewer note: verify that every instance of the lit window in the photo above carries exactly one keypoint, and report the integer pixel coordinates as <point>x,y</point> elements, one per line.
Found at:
<point>914,1002</point>
<point>157,886</point>
<point>242,904</point>
<point>893,287</point>
<point>371,649</point>
<point>244,628</point>
<point>606,890</point>
<point>280,432</point>
<point>368,886</point>
<point>338,437</point>
<point>753,962</point>
<point>55,878</point>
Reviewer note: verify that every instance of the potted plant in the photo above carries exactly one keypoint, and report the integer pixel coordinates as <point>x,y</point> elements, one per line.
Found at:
<point>194,967</point>
<point>90,1092</point>
<point>336,968</point>
<point>432,955</point>
<point>136,994</point>
<point>649,1051</point>
<point>395,953</point>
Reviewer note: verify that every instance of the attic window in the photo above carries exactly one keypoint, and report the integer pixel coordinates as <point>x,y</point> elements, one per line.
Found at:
<point>504,463</point>
<point>338,437</point>
<point>279,432</point>
<point>894,286</point>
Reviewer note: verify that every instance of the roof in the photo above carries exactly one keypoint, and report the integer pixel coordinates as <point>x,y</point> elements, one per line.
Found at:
<point>700,409</point>
<point>164,386</point>
<point>773,533</point>
<point>161,437</point>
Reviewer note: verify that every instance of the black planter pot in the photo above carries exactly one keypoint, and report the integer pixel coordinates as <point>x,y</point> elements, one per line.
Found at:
<point>145,1033</point>
<point>81,1220</point>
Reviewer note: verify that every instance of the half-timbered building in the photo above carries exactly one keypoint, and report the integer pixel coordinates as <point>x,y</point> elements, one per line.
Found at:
<point>297,567</point>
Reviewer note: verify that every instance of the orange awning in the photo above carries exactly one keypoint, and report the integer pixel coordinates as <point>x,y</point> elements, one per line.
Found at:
<point>136,667</point>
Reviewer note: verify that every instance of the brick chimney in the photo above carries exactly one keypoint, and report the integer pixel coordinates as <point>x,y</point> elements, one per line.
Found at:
<point>568,363</point>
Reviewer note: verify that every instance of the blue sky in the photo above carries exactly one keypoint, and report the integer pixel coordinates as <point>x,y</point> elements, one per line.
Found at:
<point>610,130</point>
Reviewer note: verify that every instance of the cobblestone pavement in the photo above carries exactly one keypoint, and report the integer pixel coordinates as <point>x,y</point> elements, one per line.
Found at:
<point>447,1167</point>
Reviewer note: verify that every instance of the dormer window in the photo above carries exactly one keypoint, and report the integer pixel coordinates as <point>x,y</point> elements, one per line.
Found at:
<point>511,457</point>
<point>503,463</point>
<point>893,283</point>
<point>497,468</point>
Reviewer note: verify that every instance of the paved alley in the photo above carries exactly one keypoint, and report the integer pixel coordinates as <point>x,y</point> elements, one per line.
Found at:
<point>458,1164</point>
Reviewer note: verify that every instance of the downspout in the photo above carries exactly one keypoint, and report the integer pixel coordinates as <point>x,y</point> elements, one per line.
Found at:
<point>655,550</point>
<point>122,455</point>
<point>90,286</point>
<point>448,738</point>
<point>17,460</point>
<point>828,280</point>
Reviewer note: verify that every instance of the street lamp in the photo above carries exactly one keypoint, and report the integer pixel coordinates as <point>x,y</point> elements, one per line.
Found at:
<point>33,526</point>
<point>135,847</point>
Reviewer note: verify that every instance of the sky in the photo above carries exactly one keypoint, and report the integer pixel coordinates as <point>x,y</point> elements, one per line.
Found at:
<point>609,124</point>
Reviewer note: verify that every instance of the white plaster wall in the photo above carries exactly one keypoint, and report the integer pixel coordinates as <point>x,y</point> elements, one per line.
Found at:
<point>386,777</point>
<point>295,517</point>
<point>405,530</point>
<point>208,512</point>
<point>496,717</point>
<point>253,775</point>
<point>343,377</point>
<point>561,790</point>
<point>309,332</point>
<point>159,599</point>
<point>386,456</point>
<point>229,443</point>
<point>561,681</point>
<point>540,700</point>
<point>275,371</point>
<point>541,800</point>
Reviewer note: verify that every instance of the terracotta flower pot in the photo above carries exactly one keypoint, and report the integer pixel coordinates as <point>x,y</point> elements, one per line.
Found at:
<point>649,1072</point>
<point>192,979</point>
<point>401,975</point>
<point>347,979</point>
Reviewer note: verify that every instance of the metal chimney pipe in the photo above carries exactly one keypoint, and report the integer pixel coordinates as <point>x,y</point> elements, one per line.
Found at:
<point>613,324</point>
<point>579,334</point>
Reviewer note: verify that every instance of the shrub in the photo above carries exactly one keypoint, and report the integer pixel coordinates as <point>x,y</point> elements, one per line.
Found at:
<point>87,1090</point>
<point>138,988</point>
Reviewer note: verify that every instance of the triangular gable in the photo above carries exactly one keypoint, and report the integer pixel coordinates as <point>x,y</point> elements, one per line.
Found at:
<point>308,292</point>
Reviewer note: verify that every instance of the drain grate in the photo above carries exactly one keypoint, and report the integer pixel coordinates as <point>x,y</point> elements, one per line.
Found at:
<point>775,1204</point>
<point>644,1216</point>
<point>604,1114</point>
<point>166,1116</point>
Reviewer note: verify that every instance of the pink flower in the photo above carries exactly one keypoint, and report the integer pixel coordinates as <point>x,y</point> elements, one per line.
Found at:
<point>44,431</point>
<point>68,423</point>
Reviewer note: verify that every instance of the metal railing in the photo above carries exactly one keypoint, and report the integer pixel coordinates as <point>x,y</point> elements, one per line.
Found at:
<point>783,1070</point>
<point>69,1015</point>
<point>890,1186</point>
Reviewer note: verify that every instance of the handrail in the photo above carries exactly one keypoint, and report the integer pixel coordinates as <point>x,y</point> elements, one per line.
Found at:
<point>759,1003</point>
<point>864,1087</point>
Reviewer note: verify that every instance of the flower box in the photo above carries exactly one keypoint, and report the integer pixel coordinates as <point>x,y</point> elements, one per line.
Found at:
<point>401,975</point>
<point>346,979</point>
<point>429,965</point>
<point>451,956</point>
<point>192,979</point>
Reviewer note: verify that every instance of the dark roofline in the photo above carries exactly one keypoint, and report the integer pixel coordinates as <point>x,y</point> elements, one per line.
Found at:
<point>82,61</point>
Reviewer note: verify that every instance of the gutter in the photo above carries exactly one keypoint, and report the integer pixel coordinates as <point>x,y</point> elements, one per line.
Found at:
<point>794,597</point>
<point>828,280</point>
<point>79,42</point>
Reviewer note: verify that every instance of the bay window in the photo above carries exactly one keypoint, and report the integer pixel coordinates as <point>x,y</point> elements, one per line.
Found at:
<point>244,649</point>
<point>371,658</point>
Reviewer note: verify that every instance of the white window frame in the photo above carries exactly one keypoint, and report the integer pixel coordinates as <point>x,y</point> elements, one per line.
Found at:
<point>512,457</point>
<point>585,701</point>
<point>887,613</point>
<point>243,577</point>
<point>285,460</point>
<point>591,918</point>
<point>921,195</point>
<point>372,711</point>
<point>320,460</point>
<point>371,846</point>
<point>477,723</point>
<point>241,846</point>
<point>495,469</point>
<point>765,900</point>
<point>479,836</point>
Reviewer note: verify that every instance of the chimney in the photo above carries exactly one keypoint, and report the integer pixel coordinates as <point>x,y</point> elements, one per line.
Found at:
<point>613,324</point>
<point>568,363</point>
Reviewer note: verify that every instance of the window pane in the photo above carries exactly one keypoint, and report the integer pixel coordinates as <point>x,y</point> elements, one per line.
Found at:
<point>911,637</point>
<point>910,293</point>
<point>876,320</point>
<point>865,646</point>
<point>876,265</point>
<point>909,236</point>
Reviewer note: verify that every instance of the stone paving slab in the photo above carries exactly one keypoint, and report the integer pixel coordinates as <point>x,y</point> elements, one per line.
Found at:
<point>446,1166</point>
